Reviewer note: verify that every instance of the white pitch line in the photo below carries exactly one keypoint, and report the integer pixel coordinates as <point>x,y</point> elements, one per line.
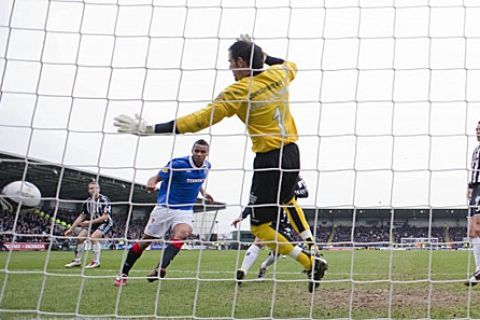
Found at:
<point>217,272</point>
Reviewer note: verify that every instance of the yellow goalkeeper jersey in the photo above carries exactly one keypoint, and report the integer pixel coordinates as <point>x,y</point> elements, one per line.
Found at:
<point>261,102</point>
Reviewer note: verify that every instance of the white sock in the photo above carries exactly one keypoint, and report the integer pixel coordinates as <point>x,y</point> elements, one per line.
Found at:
<point>78,256</point>
<point>476,252</point>
<point>269,260</point>
<point>306,235</point>
<point>96,248</point>
<point>295,252</point>
<point>250,257</point>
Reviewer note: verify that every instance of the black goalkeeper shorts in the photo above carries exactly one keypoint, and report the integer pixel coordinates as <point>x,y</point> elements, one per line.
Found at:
<point>273,184</point>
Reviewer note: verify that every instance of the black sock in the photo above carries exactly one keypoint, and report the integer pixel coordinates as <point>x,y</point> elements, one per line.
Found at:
<point>133,254</point>
<point>170,252</point>
<point>310,243</point>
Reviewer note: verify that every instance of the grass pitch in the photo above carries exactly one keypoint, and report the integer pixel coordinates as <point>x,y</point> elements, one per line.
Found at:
<point>356,286</point>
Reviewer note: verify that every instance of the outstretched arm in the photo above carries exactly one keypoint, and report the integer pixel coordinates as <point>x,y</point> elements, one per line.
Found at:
<point>140,127</point>
<point>225,105</point>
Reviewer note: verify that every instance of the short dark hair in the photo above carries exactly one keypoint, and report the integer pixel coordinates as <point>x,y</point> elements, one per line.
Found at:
<point>93,181</point>
<point>252,56</point>
<point>201,142</point>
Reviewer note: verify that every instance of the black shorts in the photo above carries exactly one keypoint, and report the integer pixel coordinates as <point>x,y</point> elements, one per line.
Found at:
<point>105,227</point>
<point>272,186</point>
<point>474,201</point>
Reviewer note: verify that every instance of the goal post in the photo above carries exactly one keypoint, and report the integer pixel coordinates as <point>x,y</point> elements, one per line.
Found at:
<point>386,100</point>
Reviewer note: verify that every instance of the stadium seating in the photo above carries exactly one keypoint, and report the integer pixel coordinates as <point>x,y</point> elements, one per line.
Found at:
<point>33,228</point>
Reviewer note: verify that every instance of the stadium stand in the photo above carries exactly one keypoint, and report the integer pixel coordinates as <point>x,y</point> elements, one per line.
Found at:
<point>333,225</point>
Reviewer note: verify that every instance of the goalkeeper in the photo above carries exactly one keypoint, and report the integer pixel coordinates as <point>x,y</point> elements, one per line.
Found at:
<point>284,227</point>
<point>260,99</point>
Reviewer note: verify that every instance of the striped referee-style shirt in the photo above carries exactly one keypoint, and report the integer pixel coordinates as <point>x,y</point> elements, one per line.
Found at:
<point>475,166</point>
<point>95,208</point>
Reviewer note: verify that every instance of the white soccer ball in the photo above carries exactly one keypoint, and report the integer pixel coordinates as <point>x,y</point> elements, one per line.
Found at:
<point>23,192</point>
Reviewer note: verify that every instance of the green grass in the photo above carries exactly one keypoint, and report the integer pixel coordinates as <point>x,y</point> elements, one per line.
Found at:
<point>214,293</point>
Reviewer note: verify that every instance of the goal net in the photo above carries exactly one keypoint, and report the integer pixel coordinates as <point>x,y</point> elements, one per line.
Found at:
<point>386,101</point>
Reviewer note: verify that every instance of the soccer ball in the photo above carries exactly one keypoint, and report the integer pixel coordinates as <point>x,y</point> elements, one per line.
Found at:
<point>20,192</point>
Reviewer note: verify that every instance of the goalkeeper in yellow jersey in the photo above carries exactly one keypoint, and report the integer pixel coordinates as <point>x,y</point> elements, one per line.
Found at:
<point>260,99</point>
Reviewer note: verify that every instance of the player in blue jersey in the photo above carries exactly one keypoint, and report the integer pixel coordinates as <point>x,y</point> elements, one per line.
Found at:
<point>181,181</point>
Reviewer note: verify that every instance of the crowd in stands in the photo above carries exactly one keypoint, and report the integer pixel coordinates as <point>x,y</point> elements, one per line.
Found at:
<point>31,227</point>
<point>366,234</point>
<point>407,231</point>
<point>457,234</point>
<point>135,227</point>
<point>372,234</point>
<point>361,234</point>
<point>369,234</point>
<point>322,234</point>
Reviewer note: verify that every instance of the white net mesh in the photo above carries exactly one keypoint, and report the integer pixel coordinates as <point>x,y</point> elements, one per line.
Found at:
<point>386,103</point>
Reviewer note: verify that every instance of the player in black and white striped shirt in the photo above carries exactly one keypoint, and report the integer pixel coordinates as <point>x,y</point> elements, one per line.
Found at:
<point>473,195</point>
<point>95,220</point>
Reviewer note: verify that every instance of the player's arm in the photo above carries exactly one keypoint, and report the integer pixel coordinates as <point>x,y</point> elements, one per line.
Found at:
<point>103,218</point>
<point>163,175</point>
<point>196,121</point>
<point>106,208</point>
<point>152,182</point>
<point>75,223</point>
<point>206,195</point>
<point>271,61</point>
<point>237,221</point>
<point>225,105</point>
<point>245,213</point>
<point>289,66</point>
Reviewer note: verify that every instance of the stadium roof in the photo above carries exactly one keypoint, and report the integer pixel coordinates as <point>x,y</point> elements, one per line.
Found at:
<point>46,177</point>
<point>73,187</point>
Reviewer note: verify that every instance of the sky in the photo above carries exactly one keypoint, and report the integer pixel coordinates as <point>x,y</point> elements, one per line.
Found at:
<point>386,99</point>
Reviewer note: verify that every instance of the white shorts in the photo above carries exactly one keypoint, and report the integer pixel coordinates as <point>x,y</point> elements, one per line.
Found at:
<point>163,219</point>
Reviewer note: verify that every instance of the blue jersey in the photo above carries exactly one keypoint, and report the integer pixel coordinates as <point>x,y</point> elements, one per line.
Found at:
<point>181,183</point>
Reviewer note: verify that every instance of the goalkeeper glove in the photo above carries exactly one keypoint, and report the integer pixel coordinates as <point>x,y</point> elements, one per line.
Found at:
<point>245,37</point>
<point>137,126</point>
